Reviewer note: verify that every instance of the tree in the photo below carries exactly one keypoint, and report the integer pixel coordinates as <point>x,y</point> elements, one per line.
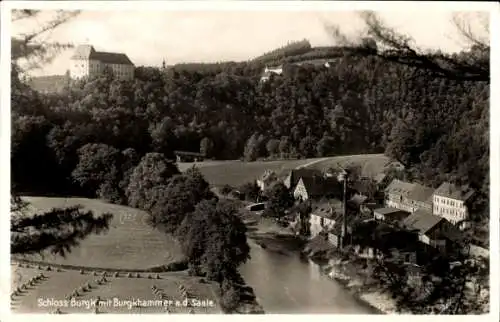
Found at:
<point>98,164</point>
<point>272,147</point>
<point>153,170</point>
<point>206,147</point>
<point>171,203</point>
<point>279,200</point>
<point>216,239</point>
<point>33,50</point>
<point>250,191</point>
<point>58,230</point>
<point>399,48</point>
<point>325,146</point>
<point>251,152</point>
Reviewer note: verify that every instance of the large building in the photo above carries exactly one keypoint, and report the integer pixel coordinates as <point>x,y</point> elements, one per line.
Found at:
<point>450,202</point>
<point>408,196</point>
<point>86,62</point>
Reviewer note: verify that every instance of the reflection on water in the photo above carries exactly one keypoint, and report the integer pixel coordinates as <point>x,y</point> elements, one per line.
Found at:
<point>291,284</point>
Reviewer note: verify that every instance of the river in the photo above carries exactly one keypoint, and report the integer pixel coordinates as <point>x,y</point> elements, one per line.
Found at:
<point>287,284</point>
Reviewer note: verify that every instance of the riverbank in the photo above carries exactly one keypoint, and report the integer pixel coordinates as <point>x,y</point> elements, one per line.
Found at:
<point>272,237</point>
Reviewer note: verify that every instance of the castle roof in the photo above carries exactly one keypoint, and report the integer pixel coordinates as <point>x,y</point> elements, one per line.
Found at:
<point>88,52</point>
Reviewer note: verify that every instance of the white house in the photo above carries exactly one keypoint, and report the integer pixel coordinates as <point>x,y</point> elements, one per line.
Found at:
<point>270,71</point>
<point>450,202</point>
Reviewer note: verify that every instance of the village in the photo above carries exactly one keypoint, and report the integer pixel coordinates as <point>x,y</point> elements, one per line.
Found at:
<point>339,198</point>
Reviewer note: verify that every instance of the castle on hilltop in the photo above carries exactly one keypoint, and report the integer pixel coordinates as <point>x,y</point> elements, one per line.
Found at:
<point>86,62</point>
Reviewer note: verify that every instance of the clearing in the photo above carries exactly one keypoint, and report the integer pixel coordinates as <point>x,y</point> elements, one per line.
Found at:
<point>130,243</point>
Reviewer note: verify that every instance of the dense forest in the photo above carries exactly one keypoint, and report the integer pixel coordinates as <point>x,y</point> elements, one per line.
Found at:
<point>437,127</point>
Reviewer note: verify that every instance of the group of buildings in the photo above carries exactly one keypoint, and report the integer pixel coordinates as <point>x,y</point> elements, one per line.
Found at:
<point>436,215</point>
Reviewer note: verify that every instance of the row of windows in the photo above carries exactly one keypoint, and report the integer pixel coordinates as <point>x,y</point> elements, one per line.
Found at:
<point>449,202</point>
<point>452,212</point>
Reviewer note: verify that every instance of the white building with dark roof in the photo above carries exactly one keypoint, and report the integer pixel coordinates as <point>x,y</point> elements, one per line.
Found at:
<point>450,202</point>
<point>87,62</point>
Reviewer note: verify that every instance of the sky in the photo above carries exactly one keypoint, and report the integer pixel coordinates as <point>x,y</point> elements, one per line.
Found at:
<point>148,37</point>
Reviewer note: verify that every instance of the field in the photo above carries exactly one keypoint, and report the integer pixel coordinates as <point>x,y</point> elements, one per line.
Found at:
<point>129,244</point>
<point>235,173</point>
<point>49,293</point>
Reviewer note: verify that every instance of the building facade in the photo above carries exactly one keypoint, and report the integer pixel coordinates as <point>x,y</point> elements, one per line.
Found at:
<point>408,196</point>
<point>450,202</point>
<point>86,62</point>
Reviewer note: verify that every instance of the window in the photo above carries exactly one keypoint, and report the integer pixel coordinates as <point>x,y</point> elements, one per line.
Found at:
<point>322,222</point>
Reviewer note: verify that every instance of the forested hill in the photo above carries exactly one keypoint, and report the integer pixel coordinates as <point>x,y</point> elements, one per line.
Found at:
<point>437,127</point>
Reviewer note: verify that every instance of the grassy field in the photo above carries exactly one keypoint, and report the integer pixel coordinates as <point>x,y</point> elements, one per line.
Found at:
<point>371,164</point>
<point>130,242</point>
<point>235,173</point>
<point>57,285</point>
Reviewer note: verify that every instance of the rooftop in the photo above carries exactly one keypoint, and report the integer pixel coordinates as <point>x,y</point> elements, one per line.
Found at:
<point>421,220</point>
<point>88,52</point>
<point>195,154</point>
<point>388,211</point>
<point>452,191</point>
<point>327,209</point>
<point>400,187</point>
<point>421,193</point>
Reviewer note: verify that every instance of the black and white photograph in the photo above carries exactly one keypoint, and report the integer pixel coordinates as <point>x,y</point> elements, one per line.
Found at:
<point>249,157</point>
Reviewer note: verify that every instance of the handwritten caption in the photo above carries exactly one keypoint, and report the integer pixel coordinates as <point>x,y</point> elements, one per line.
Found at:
<point>123,303</point>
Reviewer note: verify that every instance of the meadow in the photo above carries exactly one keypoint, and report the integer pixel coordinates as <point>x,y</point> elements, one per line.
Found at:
<point>130,243</point>
<point>235,173</point>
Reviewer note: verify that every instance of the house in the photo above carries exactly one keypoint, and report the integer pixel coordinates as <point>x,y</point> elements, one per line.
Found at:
<point>390,215</point>
<point>408,196</point>
<point>316,188</point>
<point>186,156</point>
<point>432,230</point>
<point>268,72</point>
<point>421,197</point>
<point>267,180</point>
<point>87,62</point>
<point>294,176</point>
<point>324,216</point>
<point>451,202</point>
<point>396,195</point>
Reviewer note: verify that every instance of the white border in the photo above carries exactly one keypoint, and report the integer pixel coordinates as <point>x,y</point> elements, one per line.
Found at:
<point>253,6</point>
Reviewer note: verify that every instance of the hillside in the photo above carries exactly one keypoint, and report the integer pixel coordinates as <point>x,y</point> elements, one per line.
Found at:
<point>437,127</point>
<point>130,242</point>
<point>49,84</point>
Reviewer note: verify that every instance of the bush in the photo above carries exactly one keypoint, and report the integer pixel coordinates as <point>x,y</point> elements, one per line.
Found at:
<point>230,297</point>
<point>226,190</point>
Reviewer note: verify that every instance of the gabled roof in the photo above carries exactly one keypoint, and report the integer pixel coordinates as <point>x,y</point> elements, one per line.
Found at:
<point>452,191</point>
<point>111,58</point>
<point>399,187</point>
<point>421,220</point>
<point>380,177</point>
<point>327,209</point>
<point>389,211</point>
<point>296,174</point>
<point>421,193</point>
<point>88,52</point>
<point>83,52</point>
